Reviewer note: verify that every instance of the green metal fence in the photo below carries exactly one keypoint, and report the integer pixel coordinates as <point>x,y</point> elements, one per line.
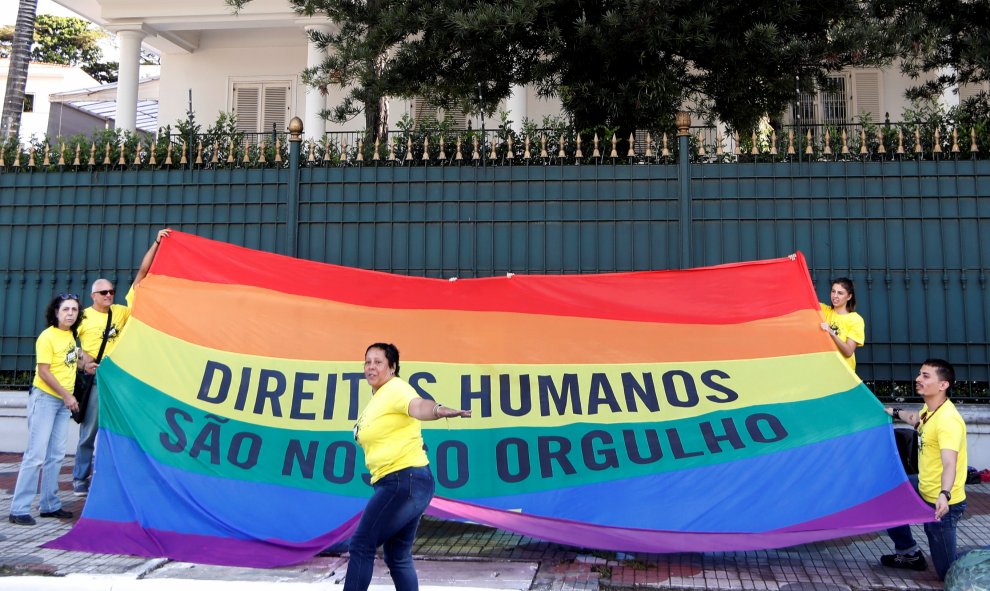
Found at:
<point>913,235</point>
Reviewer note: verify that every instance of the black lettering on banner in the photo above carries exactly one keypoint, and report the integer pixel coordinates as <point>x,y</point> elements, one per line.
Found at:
<point>242,390</point>
<point>294,456</point>
<point>598,459</point>
<point>777,430</point>
<point>253,450</point>
<point>422,376</point>
<point>483,395</point>
<point>460,461</point>
<point>671,390</point>
<point>729,433</point>
<point>330,462</point>
<point>300,394</point>
<point>355,379</point>
<point>208,440</point>
<point>212,368</point>
<point>652,444</point>
<point>548,455</point>
<point>677,448</point>
<point>328,402</point>
<point>708,379</point>
<point>180,435</point>
<point>267,391</point>
<point>521,449</point>
<point>601,393</point>
<point>548,391</point>
<point>647,392</point>
<point>505,395</point>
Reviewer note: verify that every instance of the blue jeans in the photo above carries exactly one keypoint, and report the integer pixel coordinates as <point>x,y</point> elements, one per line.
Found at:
<point>390,520</point>
<point>941,536</point>
<point>48,425</point>
<point>83,467</point>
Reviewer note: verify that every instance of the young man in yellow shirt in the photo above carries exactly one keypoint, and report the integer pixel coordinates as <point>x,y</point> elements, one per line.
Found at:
<point>941,471</point>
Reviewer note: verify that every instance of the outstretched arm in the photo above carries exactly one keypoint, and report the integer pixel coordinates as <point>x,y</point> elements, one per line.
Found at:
<point>427,410</point>
<point>149,257</point>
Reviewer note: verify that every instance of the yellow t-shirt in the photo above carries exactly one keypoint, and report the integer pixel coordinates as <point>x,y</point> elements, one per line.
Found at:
<point>849,326</point>
<point>91,328</point>
<point>944,429</point>
<point>57,348</point>
<point>392,440</point>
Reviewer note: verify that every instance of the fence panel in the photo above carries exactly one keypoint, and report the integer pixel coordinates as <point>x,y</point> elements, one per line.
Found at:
<point>911,234</point>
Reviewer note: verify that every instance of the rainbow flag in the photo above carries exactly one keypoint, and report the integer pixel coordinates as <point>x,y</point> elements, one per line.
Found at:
<point>668,411</point>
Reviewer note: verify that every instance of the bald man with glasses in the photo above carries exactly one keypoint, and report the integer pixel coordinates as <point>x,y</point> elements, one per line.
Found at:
<point>91,335</point>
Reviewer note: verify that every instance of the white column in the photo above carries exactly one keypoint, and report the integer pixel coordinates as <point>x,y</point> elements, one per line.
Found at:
<point>516,105</point>
<point>314,126</point>
<point>127,78</point>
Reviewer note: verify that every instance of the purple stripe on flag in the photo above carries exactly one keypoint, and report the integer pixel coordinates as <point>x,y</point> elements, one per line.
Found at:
<point>841,524</point>
<point>118,537</point>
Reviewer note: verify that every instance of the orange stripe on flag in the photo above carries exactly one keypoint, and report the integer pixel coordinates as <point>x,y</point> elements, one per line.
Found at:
<point>255,321</point>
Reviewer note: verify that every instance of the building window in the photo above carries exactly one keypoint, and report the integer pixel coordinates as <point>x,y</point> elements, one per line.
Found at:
<point>261,107</point>
<point>424,110</point>
<point>834,101</point>
<point>29,103</point>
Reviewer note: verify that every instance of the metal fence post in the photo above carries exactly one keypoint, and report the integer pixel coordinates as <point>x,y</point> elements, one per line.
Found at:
<point>683,122</point>
<point>292,199</point>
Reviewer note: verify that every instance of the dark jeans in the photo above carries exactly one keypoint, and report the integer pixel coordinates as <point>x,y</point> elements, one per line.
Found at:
<point>941,536</point>
<point>390,520</point>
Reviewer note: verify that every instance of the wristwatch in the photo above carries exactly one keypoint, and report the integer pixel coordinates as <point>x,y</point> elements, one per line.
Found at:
<point>948,495</point>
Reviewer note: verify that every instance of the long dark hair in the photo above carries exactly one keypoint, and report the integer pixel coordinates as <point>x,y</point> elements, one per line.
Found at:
<point>847,284</point>
<point>391,354</point>
<point>51,311</point>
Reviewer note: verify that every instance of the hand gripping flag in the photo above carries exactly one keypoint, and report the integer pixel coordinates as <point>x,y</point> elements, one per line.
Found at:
<point>696,410</point>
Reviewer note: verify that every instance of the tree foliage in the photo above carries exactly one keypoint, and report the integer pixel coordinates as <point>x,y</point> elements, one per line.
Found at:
<point>624,63</point>
<point>68,41</point>
<point>943,44</point>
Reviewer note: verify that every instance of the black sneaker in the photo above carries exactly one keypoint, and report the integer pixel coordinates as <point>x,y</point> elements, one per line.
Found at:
<point>58,513</point>
<point>21,519</point>
<point>914,561</point>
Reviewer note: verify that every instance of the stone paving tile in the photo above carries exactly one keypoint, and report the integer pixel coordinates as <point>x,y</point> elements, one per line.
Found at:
<point>839,565</point>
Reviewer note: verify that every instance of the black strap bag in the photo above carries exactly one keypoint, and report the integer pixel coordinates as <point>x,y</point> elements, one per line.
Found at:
<point>84,381</point>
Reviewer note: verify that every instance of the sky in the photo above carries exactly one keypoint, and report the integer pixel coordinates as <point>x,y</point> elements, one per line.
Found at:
<point>8,10</point>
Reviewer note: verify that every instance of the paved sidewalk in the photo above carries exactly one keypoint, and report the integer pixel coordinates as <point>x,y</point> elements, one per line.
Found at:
<point>464,556</point>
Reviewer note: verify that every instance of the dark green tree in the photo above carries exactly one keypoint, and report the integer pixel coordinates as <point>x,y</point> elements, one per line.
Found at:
<point>943,44</point>
<point>623,63</point>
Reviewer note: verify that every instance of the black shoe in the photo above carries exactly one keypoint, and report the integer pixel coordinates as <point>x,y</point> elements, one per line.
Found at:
<point>22,520</point>
<point>62,514</point>
<point>914,561</point>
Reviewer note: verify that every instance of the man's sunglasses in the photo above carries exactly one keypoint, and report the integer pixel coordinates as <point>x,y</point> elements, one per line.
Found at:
<point>104,292</point>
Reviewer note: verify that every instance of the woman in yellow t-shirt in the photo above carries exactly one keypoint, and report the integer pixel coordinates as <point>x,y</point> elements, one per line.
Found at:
<point>50,402</point>
<point>846,327</point>
<point>388,431</point>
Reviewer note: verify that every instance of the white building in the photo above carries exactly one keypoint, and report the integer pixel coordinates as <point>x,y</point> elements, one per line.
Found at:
<point>43,80</point>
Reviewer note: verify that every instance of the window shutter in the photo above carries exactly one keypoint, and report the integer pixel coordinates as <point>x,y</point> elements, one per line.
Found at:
<point>275,108</point>
<point>968,91</point>
<point>866,86</point>
<point>424,109</point>
<point>247,106</point>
